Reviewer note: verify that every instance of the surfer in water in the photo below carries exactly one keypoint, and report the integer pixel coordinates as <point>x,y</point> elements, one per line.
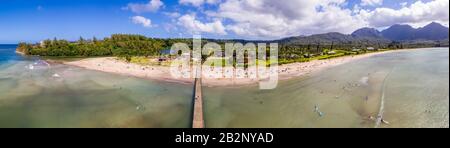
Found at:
<point>316,109</point>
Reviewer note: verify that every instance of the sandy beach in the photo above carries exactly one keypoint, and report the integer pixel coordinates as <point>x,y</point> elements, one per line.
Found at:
<point>162,73</point>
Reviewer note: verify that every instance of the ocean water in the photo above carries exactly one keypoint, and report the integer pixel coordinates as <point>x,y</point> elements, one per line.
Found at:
<point>415,84</point>
<point>34,94</point>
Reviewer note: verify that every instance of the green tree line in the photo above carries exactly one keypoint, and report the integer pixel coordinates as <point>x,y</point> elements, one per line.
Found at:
<point>117,45</point>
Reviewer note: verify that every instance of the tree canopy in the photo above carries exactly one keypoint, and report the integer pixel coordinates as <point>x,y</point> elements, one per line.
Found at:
<point>116,45</point>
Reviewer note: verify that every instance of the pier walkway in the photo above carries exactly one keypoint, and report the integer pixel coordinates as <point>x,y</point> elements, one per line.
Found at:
<point>197,119</point>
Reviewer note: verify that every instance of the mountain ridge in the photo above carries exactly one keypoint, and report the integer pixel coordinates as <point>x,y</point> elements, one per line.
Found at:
<point>396,33</point>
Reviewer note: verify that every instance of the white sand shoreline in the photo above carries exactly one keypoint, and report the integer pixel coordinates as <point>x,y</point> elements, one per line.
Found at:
<point>161,73</point>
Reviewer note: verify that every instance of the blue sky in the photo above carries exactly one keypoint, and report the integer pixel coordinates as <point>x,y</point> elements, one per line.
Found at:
<point>35,20</point>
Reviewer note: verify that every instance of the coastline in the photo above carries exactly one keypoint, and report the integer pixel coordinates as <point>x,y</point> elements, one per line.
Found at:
<point>21,53</point>
<point>161,73</point>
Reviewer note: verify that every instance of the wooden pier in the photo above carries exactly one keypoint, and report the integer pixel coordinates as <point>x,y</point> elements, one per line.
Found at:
<point>197,121</point>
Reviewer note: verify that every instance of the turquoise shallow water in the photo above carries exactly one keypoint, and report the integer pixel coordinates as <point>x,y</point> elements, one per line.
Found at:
<point>416,95</point>
<point>415,81</point>
<point>65,96</point>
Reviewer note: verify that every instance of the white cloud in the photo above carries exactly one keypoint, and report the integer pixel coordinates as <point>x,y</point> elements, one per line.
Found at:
<point>371,2</point>
<point>270,19</point>
<point>142,21</point>
<point>151,6</point>
<point>190,22</point>
<point>403,4</point>
<point>192,2</point>
<point>169,27</point>
<point>198,3</point>
<point>416,14</point>
<point>275,19</point>
<point>172,14</point>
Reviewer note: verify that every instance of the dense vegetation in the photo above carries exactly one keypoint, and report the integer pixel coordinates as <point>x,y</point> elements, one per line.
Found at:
<point>117,45</point>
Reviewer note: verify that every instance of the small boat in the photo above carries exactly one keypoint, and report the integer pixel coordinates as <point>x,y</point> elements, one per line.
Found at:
<point>385,122</point>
